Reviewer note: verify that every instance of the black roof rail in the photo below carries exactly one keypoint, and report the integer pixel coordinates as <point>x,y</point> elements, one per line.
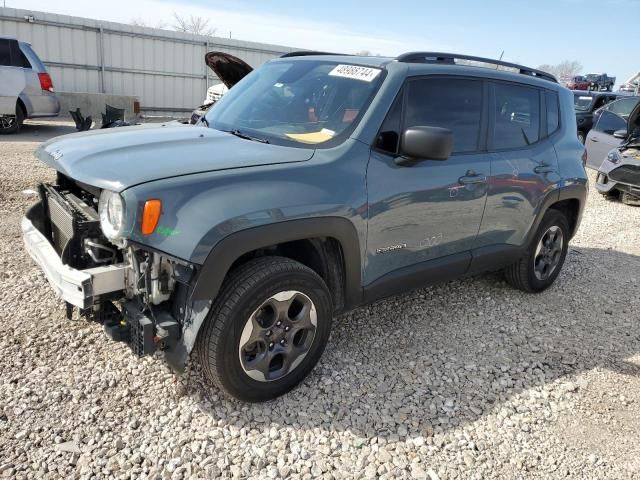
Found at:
<point>450,58</point>
<point>304,53</point>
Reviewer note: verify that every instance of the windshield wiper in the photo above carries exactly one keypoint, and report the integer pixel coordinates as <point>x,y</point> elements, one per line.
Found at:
<point>240,134</point>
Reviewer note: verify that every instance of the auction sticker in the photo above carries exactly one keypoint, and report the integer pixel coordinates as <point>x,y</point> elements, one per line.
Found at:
<point>355,72</point>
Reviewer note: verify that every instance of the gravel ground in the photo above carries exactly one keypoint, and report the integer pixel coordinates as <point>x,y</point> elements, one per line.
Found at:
<point>466,380</point>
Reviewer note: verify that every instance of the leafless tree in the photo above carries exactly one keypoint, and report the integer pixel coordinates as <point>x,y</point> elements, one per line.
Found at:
<point>563,70</point>
<point>193,24</point>
<point>140,22</point>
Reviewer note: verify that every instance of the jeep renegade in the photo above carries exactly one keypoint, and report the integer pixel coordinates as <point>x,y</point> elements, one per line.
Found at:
<point>316,184</point>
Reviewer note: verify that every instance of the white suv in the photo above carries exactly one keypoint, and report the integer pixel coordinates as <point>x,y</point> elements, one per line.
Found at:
<point>26,89</point>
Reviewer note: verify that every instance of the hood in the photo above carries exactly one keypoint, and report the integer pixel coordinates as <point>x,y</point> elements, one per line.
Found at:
<point>633,122</point>
<point>119,158</point>
<point>229,69</point>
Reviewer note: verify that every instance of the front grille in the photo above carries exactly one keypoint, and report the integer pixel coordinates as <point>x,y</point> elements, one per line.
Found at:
<point>626,174</point>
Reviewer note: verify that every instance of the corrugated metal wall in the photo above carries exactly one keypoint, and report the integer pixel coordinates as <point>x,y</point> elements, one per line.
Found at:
<point>164,68</point>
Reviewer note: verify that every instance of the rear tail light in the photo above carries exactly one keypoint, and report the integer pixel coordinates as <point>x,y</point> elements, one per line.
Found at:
<point>584,158</point>
<point>45,82</point>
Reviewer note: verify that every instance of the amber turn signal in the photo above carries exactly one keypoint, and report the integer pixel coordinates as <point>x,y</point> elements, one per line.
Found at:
<point>150,216</point>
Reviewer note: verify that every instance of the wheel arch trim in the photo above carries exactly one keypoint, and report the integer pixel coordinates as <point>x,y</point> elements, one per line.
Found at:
<point>229,249</point>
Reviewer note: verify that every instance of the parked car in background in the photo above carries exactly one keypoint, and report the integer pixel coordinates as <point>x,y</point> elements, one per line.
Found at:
<point>632,87</point>
<point>619,173</point>
<point>585,103</point>
<point>600,81</point>
<point>608,133</point>
<point>578,83</point>
<point>26,89</point>
<point>230,70</point>
<point>622,106</point>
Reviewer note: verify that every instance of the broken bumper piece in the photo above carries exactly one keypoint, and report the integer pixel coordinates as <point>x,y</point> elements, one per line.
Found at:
<point>81,288</point>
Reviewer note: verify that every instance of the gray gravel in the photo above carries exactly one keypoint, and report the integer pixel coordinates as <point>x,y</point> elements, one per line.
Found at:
<point>466,380</point>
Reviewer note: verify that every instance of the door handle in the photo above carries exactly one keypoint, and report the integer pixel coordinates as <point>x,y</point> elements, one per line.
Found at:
<point>472,178</point>
<point>594,140</point>
<point>544,169</point>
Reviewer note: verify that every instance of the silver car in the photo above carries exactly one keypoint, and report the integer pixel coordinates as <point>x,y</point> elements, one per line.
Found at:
<point>26,89</point>
<point>609,130</point>
<point>619,172</point>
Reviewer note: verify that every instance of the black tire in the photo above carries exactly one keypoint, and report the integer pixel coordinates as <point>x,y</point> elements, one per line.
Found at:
<point>629,199</point>
<point>14,123</point>
<point>522,274</point>
<point>245,291</point>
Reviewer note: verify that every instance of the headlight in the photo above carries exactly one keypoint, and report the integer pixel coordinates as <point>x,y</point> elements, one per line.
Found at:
<point>111,211</point>
<point>614,156</point>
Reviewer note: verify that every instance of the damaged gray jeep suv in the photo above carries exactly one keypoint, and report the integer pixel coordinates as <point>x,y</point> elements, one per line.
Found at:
<point>318,183</point>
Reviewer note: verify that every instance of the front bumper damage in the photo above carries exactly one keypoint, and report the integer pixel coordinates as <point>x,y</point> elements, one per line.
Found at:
<point>104,293</point>
<point>80,288</point>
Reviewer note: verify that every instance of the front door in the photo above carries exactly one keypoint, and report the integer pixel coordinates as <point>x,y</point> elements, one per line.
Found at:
<point>600,140</point>
<point>431,209</point>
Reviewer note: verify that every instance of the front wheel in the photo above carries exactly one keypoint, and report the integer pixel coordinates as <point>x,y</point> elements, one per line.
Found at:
<point>267,329</point>
<point>541,263</point>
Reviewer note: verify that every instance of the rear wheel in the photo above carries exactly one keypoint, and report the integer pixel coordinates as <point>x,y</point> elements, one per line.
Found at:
<point>629,199</point>
<point>12,123</point>
<point>267,329</point>
<point>541,264</point>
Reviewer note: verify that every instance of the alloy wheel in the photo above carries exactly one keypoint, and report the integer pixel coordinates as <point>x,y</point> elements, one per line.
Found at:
<point>277,336</point>
<point>548,253</point>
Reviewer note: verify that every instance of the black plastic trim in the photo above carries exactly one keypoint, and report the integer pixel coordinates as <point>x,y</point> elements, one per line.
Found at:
<point>231,248</point>
<point>419,275</point>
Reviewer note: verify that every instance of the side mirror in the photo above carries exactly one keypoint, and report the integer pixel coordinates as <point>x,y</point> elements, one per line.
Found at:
<point>425,143</point>
<point>621,133</point>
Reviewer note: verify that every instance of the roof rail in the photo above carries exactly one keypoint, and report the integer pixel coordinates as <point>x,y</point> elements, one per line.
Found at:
<point>304,53</point>
<point>450,58</point>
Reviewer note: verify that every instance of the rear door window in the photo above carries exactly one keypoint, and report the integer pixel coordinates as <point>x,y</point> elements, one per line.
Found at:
<point>18,58</point>
<point>453,103</point>
<point>5,53</point>
<point>609,123</point>
<point>516,116</point>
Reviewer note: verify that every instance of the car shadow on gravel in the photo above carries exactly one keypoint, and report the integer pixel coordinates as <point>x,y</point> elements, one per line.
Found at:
<point>38,131</point>
<point>439,358</point>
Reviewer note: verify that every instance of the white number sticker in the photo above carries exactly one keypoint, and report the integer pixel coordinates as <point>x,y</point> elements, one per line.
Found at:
<point>355,72</point>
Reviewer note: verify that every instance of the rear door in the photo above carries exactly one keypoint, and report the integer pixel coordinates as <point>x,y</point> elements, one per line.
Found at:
<point>600,140</point>
<point>12,79</point>
<point>524,166</point>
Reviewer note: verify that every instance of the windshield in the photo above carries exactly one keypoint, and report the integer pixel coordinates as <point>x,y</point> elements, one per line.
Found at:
<point>297,102</point>
<point>582,102</point>
<point>624,106</point>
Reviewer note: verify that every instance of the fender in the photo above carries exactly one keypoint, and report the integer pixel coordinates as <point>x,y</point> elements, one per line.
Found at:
<point>229,249</point>
<point>27,103</point>
<point>219,260</point>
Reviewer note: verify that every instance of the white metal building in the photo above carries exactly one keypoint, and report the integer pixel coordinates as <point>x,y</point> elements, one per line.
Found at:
<point>164,68</point>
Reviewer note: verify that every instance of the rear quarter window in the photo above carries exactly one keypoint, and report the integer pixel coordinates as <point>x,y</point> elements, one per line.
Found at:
<point>553,112</point>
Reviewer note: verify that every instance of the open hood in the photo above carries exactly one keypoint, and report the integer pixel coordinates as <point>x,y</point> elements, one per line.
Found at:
<point>633,126</point>
<point>229,69</point>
